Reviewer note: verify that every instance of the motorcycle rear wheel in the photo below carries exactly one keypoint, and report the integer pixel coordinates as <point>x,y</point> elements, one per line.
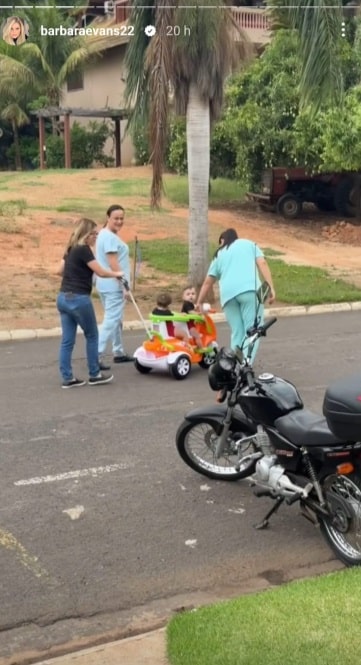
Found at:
<point>342,530</point>
<point>196,444</point>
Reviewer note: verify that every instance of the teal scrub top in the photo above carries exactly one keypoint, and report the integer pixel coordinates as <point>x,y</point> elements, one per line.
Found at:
<point>236,270</point>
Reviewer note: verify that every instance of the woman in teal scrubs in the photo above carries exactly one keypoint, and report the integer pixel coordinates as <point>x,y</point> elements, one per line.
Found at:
<point>239,266</point>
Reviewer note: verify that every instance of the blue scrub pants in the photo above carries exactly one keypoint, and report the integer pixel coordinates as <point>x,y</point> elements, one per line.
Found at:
<point>240,313</point>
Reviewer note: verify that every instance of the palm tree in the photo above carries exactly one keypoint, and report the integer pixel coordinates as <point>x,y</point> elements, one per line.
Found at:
<point>318,24</point>
<point>46,61</point>
<point>192,62</point>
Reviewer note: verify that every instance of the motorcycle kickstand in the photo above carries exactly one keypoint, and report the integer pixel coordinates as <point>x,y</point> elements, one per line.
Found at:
<point>265,522</point>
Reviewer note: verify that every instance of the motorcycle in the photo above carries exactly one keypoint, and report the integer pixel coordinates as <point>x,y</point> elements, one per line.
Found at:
<point>263,432</point>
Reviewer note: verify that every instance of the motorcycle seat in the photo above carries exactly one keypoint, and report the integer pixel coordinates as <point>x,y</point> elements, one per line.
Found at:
<point>305,428</point>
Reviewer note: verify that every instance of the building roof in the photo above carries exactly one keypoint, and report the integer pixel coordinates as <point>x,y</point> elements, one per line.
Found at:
<point>52,111</point>
<point>103,42</point>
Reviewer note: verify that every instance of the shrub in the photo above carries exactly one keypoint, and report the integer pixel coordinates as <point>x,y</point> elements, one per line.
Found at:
<point>87,146</point>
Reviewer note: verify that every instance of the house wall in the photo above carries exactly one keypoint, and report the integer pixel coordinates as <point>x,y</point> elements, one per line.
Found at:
<point>103,87</point>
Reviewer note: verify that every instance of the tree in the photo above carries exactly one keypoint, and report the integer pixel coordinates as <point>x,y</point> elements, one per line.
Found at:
<point>318,27</point>
<point>188,63</point>
<point>46,61</point>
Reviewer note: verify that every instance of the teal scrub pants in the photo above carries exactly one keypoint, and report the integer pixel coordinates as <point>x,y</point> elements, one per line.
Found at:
<point>240,313</point>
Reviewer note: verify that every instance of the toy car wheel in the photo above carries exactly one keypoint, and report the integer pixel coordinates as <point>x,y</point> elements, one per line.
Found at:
<point>289,206</point>
<point>142,368</point>
<point>207,360</point>
<point>181,368</point>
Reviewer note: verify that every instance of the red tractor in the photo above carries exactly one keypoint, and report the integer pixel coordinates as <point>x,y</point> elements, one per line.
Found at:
<point>286,189</point>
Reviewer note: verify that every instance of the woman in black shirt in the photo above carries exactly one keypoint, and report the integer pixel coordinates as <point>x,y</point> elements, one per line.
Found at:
<point>75,304</point>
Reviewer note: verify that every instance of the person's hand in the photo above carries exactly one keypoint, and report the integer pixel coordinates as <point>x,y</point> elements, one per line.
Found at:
<point>127,295</point>
<point>272,296</point>
<point>119,274</point>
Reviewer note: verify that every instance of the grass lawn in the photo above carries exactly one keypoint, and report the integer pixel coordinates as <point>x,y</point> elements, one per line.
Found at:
<point>297,285</point>
<point>308,622</point>
<point>223,191</point>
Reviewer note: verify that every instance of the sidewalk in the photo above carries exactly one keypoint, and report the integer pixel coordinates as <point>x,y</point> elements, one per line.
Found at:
<point>146,649</point>
<point>38,333</point>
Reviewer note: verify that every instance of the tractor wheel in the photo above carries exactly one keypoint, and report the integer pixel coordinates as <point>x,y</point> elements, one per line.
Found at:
<point>289,206</point>
<point>345,196</point>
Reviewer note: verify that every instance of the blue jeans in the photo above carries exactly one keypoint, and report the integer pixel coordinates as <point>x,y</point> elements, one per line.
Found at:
<point>240,313</point>
<point>77,310</point>
<point>111,328</point>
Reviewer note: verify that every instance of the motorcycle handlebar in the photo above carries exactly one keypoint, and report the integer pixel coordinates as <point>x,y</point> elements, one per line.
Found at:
<point>269,323</point>
<point>250,378</point>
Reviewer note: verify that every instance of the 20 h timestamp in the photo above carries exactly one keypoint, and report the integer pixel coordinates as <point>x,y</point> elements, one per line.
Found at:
<point>178,30</point>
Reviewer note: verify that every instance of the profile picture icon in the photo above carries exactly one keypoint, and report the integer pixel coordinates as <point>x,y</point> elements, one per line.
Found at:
<point>15,31</point>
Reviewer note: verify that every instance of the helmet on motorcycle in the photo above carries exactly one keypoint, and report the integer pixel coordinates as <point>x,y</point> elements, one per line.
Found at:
<point>221,373</point>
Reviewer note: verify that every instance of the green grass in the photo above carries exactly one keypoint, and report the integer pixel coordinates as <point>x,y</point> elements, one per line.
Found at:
<point>12,207</point>
<point>223,191</point>
<point>81,206</point>
<point>296,285</point>
<point>304,285</point>
<point>306,622</point>
<point>127,187</point>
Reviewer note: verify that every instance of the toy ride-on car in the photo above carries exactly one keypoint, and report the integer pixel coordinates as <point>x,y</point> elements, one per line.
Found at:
<point>164,351</point>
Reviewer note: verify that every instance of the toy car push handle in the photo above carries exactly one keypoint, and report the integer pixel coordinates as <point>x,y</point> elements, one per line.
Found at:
<point>125,283</point>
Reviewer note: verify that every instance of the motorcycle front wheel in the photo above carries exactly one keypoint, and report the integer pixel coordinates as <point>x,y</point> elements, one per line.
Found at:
<point>342,529</point>
<point>196,443</point>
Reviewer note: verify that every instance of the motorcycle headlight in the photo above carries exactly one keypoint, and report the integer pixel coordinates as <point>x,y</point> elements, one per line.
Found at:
<point>221,373</point>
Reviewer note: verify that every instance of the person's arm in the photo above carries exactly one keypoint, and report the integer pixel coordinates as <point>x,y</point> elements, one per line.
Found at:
<point>206,286</point>
<point>113,261</point>
<point>60,269</point>
<point>264,269</point>
<point>101,272</point>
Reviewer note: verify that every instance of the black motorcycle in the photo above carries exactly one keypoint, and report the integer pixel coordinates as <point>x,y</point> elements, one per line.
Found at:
<point>263,431</point>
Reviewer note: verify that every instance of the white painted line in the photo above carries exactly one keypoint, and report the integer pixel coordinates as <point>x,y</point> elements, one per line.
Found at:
<point>74,513</point>
<point>69,475</point>
<point>191,543</point>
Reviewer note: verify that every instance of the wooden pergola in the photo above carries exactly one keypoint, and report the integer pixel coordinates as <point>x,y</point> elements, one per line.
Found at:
<point>53,112</point>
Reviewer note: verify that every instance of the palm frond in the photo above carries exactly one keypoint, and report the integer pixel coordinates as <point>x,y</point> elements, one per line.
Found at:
<point>15,73</point>
<point>14,113</point>
<point>136,94</point>
<point>74,62</point>
<point>215,44</point>
<point>319,29</point>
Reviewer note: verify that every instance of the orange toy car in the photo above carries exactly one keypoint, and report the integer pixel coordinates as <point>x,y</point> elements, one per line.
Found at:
<point>165,352</point>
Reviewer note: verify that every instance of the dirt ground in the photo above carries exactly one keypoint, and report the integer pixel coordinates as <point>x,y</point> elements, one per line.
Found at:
<point>32,243</point>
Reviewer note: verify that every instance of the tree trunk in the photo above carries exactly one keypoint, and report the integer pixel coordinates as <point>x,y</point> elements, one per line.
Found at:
<point>198,154</point>
<point>18,165</point>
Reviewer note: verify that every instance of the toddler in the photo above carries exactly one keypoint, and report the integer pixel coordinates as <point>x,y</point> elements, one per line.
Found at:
<point>189,298</point>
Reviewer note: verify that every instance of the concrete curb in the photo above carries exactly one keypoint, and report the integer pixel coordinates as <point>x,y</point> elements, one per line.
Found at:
<point>38,333</point>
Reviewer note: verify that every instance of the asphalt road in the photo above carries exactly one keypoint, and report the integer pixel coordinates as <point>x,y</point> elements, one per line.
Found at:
<point>99,517</point>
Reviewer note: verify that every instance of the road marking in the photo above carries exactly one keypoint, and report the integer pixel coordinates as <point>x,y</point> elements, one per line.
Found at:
<point>31,562</point>
<point>238,511</point>
<point>191,543</point>
<point>74,513</point>
<point>69,475</point>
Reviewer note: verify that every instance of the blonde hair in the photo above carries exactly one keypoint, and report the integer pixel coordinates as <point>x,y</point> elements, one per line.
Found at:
<point>81,233</point>
<point>7,27</point>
